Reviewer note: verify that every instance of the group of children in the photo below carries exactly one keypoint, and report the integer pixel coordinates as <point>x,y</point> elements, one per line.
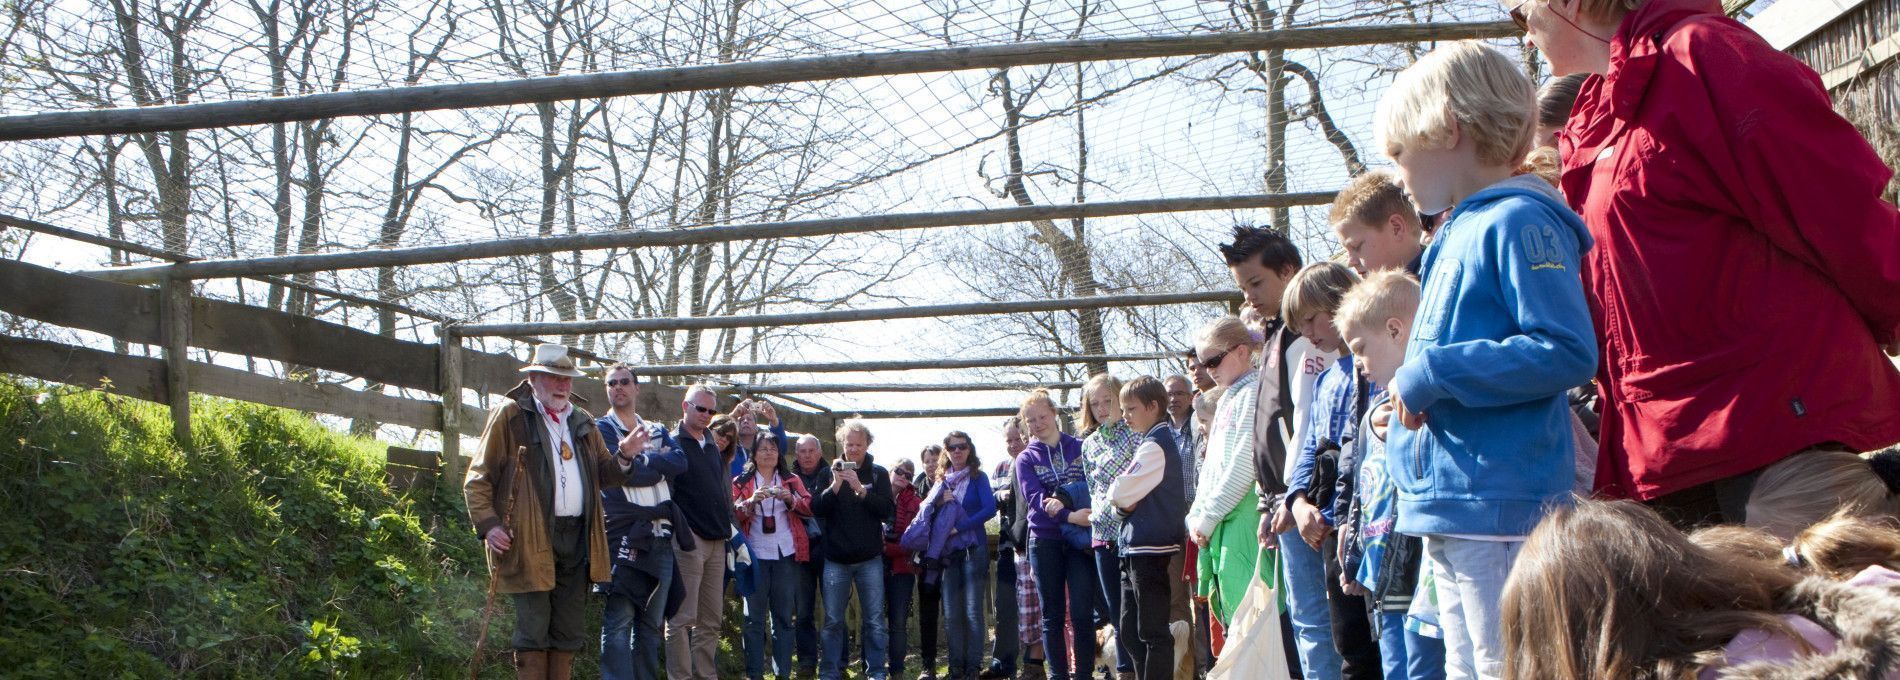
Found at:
<point>1430,525</point>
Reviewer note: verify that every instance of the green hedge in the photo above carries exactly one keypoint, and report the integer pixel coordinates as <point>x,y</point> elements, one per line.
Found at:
<point>273,549</point>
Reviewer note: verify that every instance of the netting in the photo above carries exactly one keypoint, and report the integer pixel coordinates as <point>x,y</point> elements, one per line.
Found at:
<point>1089,132</point>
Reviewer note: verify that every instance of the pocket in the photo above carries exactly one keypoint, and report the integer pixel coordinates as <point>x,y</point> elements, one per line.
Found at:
<point>1434,312</point>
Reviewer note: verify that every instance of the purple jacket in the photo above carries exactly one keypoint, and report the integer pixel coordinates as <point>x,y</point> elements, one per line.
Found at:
<point>1038,478</point>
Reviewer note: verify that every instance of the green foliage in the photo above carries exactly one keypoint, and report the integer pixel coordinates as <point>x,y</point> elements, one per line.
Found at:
<point>274,549</point>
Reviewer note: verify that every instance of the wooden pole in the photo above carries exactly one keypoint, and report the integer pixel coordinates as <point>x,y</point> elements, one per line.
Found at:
<point>936,413</point>
<point>651,238</point>
<point>175,331</point>
<point>690,370</point>
<point>449,362</point>
<point>127,120</point>
<point>824,388</point>
<point>838,316</point>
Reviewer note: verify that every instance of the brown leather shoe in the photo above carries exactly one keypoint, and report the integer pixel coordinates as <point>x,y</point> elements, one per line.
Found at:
<point>531,664</point>
<point>560,664</point>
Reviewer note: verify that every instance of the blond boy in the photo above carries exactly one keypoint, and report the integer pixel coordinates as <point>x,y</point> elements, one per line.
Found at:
<point>1502,331</point>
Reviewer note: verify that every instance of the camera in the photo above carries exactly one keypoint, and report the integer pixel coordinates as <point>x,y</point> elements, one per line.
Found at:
<point>842,464</point>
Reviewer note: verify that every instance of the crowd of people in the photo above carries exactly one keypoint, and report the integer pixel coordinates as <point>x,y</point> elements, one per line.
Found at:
<point>1596,389</point>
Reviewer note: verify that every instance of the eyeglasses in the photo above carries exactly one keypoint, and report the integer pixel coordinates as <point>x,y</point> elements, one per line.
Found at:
<point>959,447</point>
<point>1213,362</point>
<point>616,382</point>
<point>1517,16</point>
<point>703,409</point>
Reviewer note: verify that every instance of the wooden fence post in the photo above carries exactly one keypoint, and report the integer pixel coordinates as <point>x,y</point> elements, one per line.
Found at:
<point>174,322</point>
<point>449,363</point>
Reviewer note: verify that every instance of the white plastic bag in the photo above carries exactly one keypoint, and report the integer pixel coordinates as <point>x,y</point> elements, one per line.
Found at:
<point>1254,650</point>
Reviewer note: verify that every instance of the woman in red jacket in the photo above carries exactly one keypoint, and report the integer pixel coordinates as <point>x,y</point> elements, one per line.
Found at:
<point>771,508</point>
<point>1746,274</point>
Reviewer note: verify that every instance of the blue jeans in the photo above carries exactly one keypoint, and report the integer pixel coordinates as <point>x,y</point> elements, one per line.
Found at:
<point>633,626</point>
<point>868,578</point>
<point>1391,630</point>
<point>1108,570</point>
<point>773,598</point>
<point>805,610</point>
<point>899,591</point>
<point>1470,580</point>
<point>1306,603</point>
<point>963,608</point>
<point>1424,657</point>
<point>1066,580</point>
<point>1008,644</point>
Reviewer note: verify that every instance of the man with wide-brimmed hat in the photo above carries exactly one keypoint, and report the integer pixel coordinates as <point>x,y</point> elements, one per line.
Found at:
<point>542,463</point>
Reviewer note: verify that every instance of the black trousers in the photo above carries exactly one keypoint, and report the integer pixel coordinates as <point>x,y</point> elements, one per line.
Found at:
<point>1353,637</point>
<point>553,619</point>
<point>1146,594</point>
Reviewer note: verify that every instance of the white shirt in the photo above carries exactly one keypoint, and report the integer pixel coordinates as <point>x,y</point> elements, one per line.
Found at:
<point>777,544</point>
<point>568,492</point>
<point>1304,364</point>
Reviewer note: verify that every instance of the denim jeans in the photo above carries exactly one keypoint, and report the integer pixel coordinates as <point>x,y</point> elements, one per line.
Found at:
<point>1306,603</point>
<point>805,610</point>
<point>1065,577</point>
<point>1470,580</point>
<point>963,608</point>
<point>633,626</point>
<point>1007,647</point>
<point>1391,642</point>
<point>771,602</point>
<point>867,578</point>
<point>899,591</point>
<point>1108,570</point>
<point>1424,656</point>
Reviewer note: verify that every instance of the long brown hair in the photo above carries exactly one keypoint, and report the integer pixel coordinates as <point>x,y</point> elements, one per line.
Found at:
<point>1610,590</point>
<point>1842,546</point>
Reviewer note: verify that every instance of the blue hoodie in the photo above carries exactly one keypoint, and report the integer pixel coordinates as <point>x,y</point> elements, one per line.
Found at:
<point>1502,331</point>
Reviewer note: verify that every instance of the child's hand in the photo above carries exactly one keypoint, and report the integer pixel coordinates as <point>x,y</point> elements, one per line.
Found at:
<point>1282,520</point>
<point>1268,539</point>
<point>1079,518</point>
<point>1351,587</point>
<point>1410,420</point>
<point>1051,506</point>
<point>1199,538</point>
<point>1382,419</point>
<point>1312,525</point>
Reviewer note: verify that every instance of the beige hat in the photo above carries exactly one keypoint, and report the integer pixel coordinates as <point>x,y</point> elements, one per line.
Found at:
<point>552,360</point>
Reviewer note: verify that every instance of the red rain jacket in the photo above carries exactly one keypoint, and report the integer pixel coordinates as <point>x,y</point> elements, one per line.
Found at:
<point>1745,268</point>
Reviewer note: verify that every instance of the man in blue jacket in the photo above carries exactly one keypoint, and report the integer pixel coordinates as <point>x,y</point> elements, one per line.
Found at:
<point>641,520</point>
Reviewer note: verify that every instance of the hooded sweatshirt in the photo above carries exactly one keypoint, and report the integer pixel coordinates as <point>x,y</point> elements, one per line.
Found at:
<point>1502,331</point>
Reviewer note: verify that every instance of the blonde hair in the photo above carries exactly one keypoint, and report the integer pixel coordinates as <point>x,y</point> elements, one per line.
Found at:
<point>851,425</point>
<point>1807,488</point>
<point>1842,546</point>
<point>1545,164</point>
<point>1039,395</point>
<point>1372,197</point>
<point>1384,294</point>
<point>1466,85</point>
<point>1317,288</point>
<point>1226,332</point>
<point>1085,421</point>
<point>1606,10</point>
<point>1741,543</point>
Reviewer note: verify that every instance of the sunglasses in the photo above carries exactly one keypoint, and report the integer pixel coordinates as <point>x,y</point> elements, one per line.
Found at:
<point>959,447</point>
<point>616,382</point>
<point>703,409</point>
<point>1213,362</point>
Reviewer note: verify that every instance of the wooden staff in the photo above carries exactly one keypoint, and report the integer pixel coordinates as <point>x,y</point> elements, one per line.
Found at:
<point>494,576</point>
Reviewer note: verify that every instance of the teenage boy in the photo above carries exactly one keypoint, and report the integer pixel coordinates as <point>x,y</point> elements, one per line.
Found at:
<point>1151,499</point>
<point>1502,332</point>
<point>1262,261</point>
<point>1376,224</point>
<point>1323,474</point>
<point>1375,319</point>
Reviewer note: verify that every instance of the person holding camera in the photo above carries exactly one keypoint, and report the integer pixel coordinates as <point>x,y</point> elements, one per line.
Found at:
<point>853,509</point>
<point>770,509</point>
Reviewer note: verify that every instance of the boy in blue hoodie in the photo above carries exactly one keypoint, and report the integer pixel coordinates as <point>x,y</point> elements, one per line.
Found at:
<point>1483,445</point>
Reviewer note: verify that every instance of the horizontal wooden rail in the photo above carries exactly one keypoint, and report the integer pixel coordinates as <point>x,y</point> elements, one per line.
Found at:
<point>825,388</point>
<point>691,370</point>
<point>715,76</point>
<point>654,238</point>
<point>839,316</point>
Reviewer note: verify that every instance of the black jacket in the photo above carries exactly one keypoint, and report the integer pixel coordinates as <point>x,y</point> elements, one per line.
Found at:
<point>704,491</point>
<point>854,526</point>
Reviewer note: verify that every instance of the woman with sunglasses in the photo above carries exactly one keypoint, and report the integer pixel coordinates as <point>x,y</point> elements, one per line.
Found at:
<point>960,494</point>
<point>1225,514</point>
<point>1697,144</point>
<point>771,508</point>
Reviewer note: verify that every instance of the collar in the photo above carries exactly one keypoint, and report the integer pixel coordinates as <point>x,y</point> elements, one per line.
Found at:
<point>1160,425</point>
<point>557,417</point>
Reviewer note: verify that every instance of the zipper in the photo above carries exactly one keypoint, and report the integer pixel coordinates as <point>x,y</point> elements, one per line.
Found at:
<point>1418,460</point>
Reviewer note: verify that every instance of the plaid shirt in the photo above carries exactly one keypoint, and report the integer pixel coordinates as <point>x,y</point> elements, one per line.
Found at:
<point>1106,454</point>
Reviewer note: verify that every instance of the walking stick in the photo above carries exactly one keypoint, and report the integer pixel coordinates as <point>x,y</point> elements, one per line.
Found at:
<point>494,577</point>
